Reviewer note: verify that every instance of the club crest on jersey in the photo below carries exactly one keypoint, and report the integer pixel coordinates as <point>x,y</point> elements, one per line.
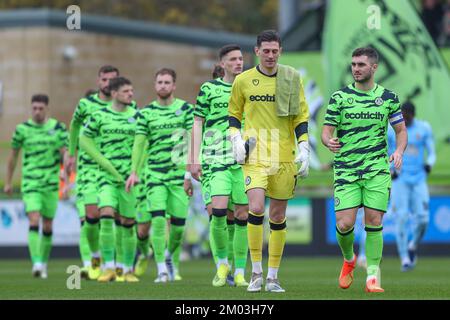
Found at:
<point>178,112</point>
<point>131,120</point>
<point>255,82</point>
<point>336,201</point>
<point>248,180</point>
<point>218,90</point>
<point>379,101</point>
<point>350,100</point>
<point>51,132</point>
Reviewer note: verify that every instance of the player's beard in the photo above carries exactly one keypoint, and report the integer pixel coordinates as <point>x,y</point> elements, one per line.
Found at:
<point>39,118</point>
<point>363,80</point>
<point>164,96</point>
<point>106,92</point>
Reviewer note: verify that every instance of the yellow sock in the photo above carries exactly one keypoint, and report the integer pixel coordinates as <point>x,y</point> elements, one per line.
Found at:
<point>277,240</point>
<point>255,235</point>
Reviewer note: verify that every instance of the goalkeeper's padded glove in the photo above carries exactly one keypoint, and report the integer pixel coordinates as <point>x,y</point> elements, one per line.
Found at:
<point>303,158</point>
<point>427,168</point>
<point>238,147</point>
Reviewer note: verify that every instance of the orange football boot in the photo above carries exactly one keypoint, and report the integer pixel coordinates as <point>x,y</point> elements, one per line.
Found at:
<point>346,276</point>
<point>373,286</point>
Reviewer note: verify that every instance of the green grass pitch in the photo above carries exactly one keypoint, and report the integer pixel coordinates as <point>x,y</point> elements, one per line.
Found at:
<point>304,278</point>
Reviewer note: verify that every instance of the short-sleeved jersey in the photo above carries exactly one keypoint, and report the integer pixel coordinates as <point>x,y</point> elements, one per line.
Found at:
<point>420,139</point>
<point>167,130</point>
<point>253,94</point>
<point>361,120</point>
<point>85,108</point>
<point>212,106</point>
<point>113,133</point>
<point>41,156</point>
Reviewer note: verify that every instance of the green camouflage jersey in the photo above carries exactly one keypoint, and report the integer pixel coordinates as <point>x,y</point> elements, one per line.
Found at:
<point>212,106</point>
<point>41,156</point>
<point>167,130</point>
<point>361,120</point>
<point>86,167</point>
<point>113,133</point>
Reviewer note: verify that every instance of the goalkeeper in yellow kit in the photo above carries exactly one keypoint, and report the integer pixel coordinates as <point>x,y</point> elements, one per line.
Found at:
<point>271,97</point>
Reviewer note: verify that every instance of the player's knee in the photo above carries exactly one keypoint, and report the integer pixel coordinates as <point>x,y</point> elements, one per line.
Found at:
<point>143,230</point>
<point>257,208</point>
<point>241,212</point>
<point>47,226</point>
<point>127,222</point>
<point>142,235</point>
<point>33,218</point>
<point>92,211</point>
<point>374,221</point>
<point>344,225</point>
<point>277,217</point>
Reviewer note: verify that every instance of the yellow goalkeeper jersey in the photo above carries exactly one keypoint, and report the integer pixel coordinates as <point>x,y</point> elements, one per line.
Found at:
<point>253,94</point>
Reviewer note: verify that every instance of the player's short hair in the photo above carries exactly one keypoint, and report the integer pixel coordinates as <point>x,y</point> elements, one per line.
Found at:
<point>108,69</point>
<point>218,71</point>
<point>227,48</point>
<point>116,83</point>
<point>40,97</point>
<point>268,36</point>
<point>168,71</point>
<point>409,108</point>
<point>369,52</point>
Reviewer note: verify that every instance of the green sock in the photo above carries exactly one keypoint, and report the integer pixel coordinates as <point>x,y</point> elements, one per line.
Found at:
<point>129,241</point>
<point>374,248</point>
<point>158,237</point>
<point>118,246</point>
<point>231,228</point>
<point>46,246</point>
<point>220,233</point>
<point>240,244</point>
<point>175,237</point>
<point>33,244</point>
<point>85,252</point>
<point>212,244</point>
<point>107,241</point>
<point>345,241</point>
<point>176,257</point>
<point>143,245</point>
<point>93,234</point>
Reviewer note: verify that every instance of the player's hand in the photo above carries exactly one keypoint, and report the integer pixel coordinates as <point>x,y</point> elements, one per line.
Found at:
<point>334,145</point>
<point>132,180</point>
<point>196,171</point>
<point>8,189</point>
<point>427,168</point>
<point>238,147</point>
<point>187,185</point>
<point>397,157</point>
<point>303,159</point>
<point>69,163</point>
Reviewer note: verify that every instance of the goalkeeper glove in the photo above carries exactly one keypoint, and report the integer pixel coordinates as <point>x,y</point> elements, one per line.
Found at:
<point>238,147</point>
<point>303,158</point>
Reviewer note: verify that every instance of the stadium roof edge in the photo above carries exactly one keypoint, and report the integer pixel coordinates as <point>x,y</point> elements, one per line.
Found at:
<point>124,27</point>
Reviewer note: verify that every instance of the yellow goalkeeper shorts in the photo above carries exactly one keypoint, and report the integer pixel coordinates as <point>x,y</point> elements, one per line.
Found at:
<point>277,179</point>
